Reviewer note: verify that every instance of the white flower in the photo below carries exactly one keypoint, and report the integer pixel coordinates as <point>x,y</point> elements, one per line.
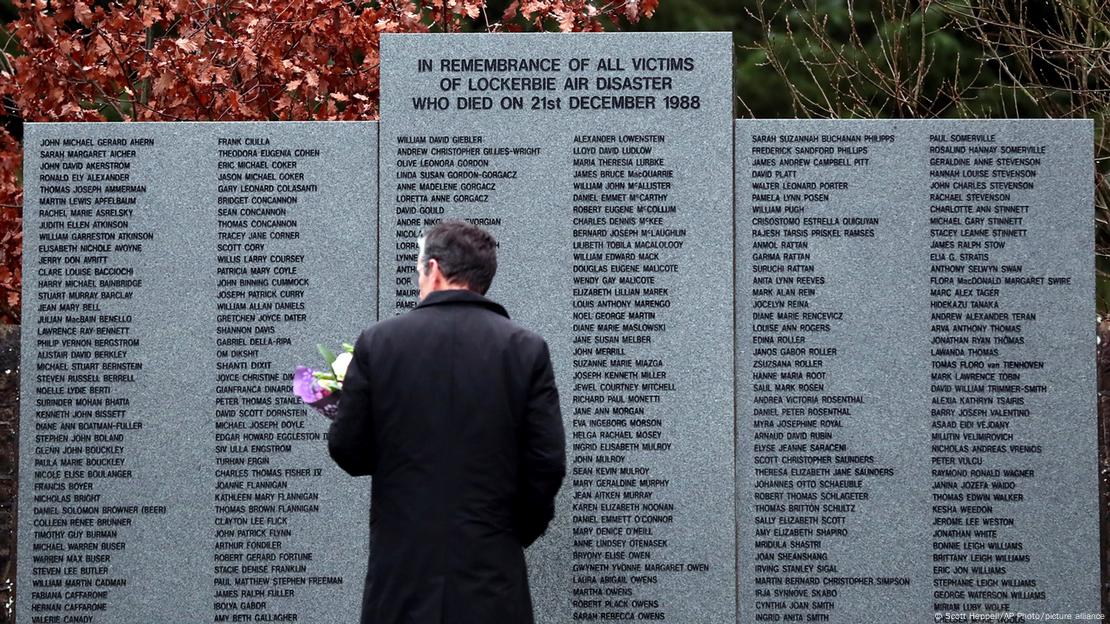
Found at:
<point>339,366</point>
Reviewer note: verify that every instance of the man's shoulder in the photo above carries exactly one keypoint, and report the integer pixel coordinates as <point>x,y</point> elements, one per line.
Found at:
<point>417,319</point>
<point>387,330</point>
<point>387,325</point>
<point>484,328</point>
<point>524,336</point>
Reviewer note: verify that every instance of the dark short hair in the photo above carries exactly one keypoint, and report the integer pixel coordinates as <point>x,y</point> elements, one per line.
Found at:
<point>466,253</point>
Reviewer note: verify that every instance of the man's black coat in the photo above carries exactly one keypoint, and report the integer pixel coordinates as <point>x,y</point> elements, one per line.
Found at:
<point>452,408</point>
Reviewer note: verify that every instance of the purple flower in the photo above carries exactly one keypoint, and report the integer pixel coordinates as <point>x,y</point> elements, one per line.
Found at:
<point>306,387</point>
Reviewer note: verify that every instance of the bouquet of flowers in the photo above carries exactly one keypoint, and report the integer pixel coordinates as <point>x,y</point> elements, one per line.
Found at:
<point>320,389</point>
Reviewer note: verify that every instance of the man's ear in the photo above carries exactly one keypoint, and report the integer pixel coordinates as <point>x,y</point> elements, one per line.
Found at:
<point>435,274</point>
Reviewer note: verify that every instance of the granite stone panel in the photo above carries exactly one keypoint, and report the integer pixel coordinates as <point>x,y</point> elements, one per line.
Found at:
<point>175,273</point>
<point>915,380</point>
<point>602,163</point>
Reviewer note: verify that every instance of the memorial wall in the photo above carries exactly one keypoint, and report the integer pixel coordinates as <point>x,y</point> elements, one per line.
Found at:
<point>914,372</point>
<point>810,371</point>
<point>605,173</point>
<point>175,275</point>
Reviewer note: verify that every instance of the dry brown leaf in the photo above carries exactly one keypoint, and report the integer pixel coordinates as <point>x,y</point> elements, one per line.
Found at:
<point>186,45</point>
<point>151,15</point>
<point>163,83</point>
<point>82,13</point>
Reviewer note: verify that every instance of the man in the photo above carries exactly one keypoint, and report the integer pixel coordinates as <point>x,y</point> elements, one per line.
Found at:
<point>453,409</point>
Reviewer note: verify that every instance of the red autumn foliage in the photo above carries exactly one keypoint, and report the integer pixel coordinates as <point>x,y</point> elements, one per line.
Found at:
<point>11,234</point>
<point>169,60</point>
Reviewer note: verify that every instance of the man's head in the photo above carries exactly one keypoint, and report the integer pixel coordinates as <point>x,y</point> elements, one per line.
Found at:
<point>456,255</point>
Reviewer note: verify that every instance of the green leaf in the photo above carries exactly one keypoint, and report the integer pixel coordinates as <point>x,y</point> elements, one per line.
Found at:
<point>348,347</point>
<point>329,357</point>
